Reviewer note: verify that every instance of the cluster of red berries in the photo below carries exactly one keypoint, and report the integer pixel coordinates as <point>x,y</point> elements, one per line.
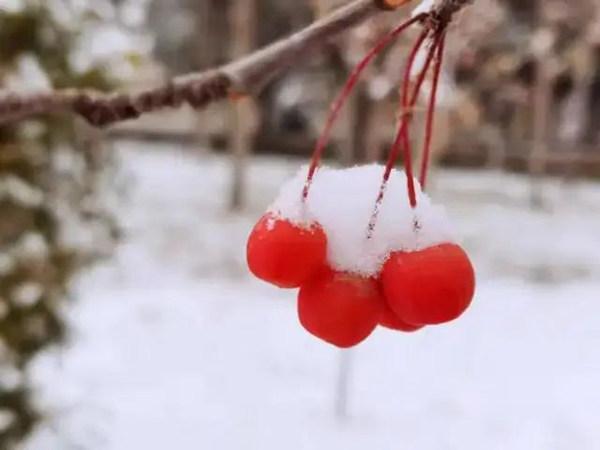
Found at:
<point>414,289</point>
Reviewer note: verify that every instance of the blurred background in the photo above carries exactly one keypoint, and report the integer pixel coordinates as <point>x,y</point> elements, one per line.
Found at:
<point>128,318</point>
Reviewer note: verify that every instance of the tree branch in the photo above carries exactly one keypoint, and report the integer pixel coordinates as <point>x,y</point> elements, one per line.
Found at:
<point>245,76</point>
<point>447,9</point>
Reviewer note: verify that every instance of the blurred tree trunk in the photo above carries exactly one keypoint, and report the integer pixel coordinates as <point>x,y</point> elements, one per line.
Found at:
<point>244,112</point>
<point>542,104</point>
<point>592,130</point>
<point>360,124</point>
<point>213,32</point>
<point>211,49</point>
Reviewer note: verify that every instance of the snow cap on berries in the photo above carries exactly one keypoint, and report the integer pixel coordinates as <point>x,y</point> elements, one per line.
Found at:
<point>342,201</point>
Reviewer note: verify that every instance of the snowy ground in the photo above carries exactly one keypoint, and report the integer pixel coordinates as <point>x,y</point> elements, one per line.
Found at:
<point>175,346</point>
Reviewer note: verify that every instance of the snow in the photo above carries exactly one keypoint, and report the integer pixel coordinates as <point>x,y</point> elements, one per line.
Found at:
<point>342,201</point>
<point>28,75</point>
<point>423,7</point>
<point>446,93</point>
<point>175,345</point>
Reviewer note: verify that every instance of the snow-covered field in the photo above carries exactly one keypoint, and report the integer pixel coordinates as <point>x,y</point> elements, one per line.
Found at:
<point>174,345</point>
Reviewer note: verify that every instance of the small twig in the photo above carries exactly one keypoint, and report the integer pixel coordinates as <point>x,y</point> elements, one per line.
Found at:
<point>245,76</point>
<point>342,97</point>
<point>401,141</point>
<point>447,9</point>
<point>437,71</point>
<point>436,23</point>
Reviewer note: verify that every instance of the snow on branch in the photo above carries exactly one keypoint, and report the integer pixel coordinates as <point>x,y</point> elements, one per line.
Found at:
<point>244,76</point>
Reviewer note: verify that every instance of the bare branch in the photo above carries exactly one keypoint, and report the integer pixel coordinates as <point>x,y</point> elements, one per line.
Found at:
<point>245,76</point>
<point>101,109</point>
<point>448,8</point>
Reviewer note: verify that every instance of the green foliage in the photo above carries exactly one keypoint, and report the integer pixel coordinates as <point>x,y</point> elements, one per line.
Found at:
<point>36,264</point>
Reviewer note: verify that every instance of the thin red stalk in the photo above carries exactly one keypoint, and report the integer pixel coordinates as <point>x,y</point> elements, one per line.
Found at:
<point>340,100</point>
<point>437,70</point>
<point>408,103</point>
<point>402,136</point>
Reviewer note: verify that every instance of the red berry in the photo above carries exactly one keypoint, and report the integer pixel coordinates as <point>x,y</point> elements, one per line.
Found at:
<point>285,254</point>
<point>389,319</point>
<point>430,286</point>
<point>340,308</point>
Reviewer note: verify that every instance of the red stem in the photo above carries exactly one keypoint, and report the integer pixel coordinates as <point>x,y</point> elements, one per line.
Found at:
<point>340,100</point>
<point>402,137</point>
<point>437,70</point>
<point>402,141</point>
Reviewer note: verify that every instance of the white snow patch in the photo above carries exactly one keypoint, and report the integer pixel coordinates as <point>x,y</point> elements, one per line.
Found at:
<point>174,345</point>
<point>28,76</point>
<point>342,201</point>
<point>423,7</point>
